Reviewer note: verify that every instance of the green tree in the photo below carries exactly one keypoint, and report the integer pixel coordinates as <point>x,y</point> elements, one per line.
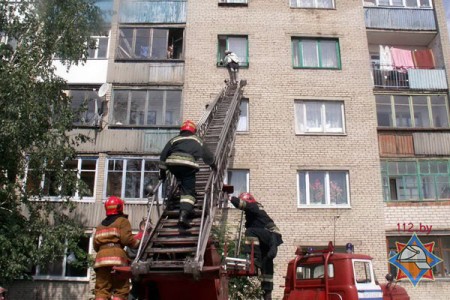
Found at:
<point>35,124</point>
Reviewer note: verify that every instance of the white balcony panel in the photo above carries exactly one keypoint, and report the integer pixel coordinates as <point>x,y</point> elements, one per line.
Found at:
<point>427,79</point>
<point>92,72</point>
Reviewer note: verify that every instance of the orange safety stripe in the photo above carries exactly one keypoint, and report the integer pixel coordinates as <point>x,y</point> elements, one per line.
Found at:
<point>110,261</point>
<point>108,232</point>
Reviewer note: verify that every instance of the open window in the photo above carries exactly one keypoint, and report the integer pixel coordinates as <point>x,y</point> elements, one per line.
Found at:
<point>145,43</point>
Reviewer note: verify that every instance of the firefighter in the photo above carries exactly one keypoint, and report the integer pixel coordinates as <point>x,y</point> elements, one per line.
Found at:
<point>265,236</point>
<point>180,156</point>
<point>111,236</point>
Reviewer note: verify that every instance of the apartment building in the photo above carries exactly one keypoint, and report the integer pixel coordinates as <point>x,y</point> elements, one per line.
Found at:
<point>338,142</point>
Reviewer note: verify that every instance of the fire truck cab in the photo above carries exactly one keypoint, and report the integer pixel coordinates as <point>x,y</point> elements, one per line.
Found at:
<point>325,275</point>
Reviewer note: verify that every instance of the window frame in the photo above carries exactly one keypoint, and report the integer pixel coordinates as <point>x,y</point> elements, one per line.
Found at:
<point>411,106</point>
<point>86,278</point>
<point>326,190</point>
<point>387,177</point>
<point>298,40</point>
<point>246,103</point>
<point>98,106</point>
<point>97,43</point>
<point>220,52</point>
<point>76,197</point>
<point>298,5</point>
<point>112,117</point>
<point>236,192</point>
<point>377,4</point>
<point>125,160</point>
<point>324,131</point>
<point>151,30</point>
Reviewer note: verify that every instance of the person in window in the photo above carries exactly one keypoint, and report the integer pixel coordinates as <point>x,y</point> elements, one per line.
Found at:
<point>111,236</point>
<point>265,236</point>
<point>231,61</point>
<point>180,156</point>
<point>170,52</point>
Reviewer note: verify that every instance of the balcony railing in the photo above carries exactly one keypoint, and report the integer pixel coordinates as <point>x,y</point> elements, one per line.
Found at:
<point>413,79</point>
<point>400,18</point>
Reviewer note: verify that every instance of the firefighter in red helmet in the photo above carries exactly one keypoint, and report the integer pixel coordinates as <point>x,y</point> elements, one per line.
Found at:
<point>265,236</point>
<point>180,156</point>
<point>111,236</point>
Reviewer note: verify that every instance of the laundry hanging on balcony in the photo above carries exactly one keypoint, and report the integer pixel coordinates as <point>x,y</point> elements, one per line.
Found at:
<point>402,59</point>
<point>423,59</point>
<point>385,58</point>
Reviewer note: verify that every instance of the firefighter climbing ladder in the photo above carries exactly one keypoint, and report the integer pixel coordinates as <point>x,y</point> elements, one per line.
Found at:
<point>169,248</point>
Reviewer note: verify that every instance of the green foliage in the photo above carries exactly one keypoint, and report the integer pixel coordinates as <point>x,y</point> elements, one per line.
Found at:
<point>35,121</point>
<point>239,288</point>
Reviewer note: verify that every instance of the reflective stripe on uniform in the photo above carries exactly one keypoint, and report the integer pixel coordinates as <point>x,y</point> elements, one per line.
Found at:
<point>266,278</point>
<point>181,161</point>
<point>191,137</point>
<point>108,232</point>
<point>251,239</point>
<point>110,261</point>
<point>187,199</point>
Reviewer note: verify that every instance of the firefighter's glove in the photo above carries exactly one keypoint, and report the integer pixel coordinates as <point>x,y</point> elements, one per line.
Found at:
<point>162,175</point>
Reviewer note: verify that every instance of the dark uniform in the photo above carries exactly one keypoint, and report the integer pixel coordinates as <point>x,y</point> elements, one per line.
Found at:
<point>265,236</point>
<point>180,156</point>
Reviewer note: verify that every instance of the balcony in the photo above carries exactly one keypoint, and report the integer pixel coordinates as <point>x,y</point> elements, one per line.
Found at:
<point>411,79</point>
<point>400,19</point>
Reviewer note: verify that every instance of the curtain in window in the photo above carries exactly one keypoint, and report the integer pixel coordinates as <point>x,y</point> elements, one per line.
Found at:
<point>309,53</point>
<point>300,117</point>
<point>313,116</point>
<point>305,3</point>
<point>328,54</point>
<point>333,117</point>
<point>239,46</point>
<point>338,188</point>
<point>317,187</point>
<point>243,116</point>
<point>325,3</point>
<point>238,179</point>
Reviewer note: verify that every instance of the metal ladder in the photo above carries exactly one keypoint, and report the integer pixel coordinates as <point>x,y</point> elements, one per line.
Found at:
<point>171,249</point>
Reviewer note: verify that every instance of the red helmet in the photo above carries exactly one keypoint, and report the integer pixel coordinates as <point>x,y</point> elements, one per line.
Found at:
<point>188,125</point>
<point>247,197</point>
<point>114,206</point>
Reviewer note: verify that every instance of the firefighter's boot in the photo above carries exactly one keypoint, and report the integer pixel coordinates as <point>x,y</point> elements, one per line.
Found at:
<point>184,221</point>
<point>267,295</point>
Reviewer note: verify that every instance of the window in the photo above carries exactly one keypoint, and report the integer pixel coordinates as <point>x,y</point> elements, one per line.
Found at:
<point>87,107</point>
<point>363,271</point>
<point>316,53</point>
<point>441,249</point>
<point>242,2</point>
<point>237,44</point>
<point>101,47</point>
<point>144,43</point>
<point>323,188</point>
<point>128,177</point>
<point>65,266</point>
<point>49,185</point>
<point>319,117</point>
<point>416,180</point>
<point>415,111</point>
<point>146,107</point>
<point>312,3</point>
<point>399,3</point>
<point>239,179</point>
<point>313,271</point>
<point>243,116</point>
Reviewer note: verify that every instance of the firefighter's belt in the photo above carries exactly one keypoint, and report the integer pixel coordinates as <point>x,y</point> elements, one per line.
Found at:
<point>110,245</point>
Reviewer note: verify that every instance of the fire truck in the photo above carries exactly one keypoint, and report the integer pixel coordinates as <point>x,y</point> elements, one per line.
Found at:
<point>176,263</point>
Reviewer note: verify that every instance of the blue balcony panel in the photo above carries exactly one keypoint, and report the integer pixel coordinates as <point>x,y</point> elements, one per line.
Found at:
<point>427,79</point>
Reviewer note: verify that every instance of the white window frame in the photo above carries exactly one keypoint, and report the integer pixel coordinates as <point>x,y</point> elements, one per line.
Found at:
<point>97,40</point>
<point>76,197</point>
<point>95,121</point>
<point>234,1</point>
<point>243,123</point>
<point>326,189</point>
<point>247,183</point>
<point>64,262</point>
<point>320,130</point>
<point>377,4</point>
<point>297,4</point>
<point>123,179</point>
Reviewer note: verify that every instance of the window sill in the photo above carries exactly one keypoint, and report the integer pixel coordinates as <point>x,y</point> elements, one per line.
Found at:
<point>317,68</point>
<point>60,278</point>
<point>219,65</point>
<point>321,134</point>
<point>232,4</point>
<point>322,206</point>
<point>143,127</point>
<point>415,129</point>
<point>318,8</point>
<point>136,60</point>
